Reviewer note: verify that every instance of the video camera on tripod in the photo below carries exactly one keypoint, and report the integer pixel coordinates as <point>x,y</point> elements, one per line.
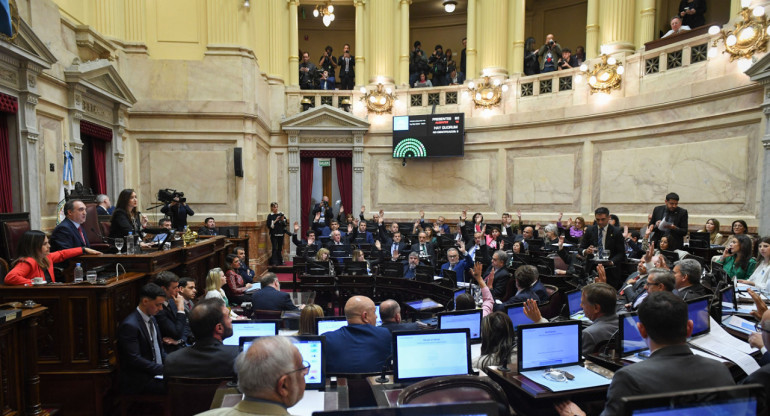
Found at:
<point>167,196</point>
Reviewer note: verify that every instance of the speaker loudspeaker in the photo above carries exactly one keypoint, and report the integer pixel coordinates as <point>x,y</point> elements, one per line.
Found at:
<point>238,161</point>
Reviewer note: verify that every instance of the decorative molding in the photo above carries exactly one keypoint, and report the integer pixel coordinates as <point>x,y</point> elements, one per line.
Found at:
<point>11,78</point>
<point>328,140</point>
<point>32,99</point>
<point>31,136</point>
<point>120,156</point>
<point>31,80</point>
<point>293,169</point>
<point>358,169</point>
<point>766,143</point>
<point>77,115</point>
<point>76,146</point>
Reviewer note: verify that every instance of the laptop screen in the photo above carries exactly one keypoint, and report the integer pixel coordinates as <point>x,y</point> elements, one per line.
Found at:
<point>326,324</point>
<point>728,298</point>
<point>421,305</point>
<point>377,312</point>
<point>251,329</point>
<point>631,340</point>
<point>548,345</point>
<point>573,301</point>
<point>312,349</point>
<point>698,311</point>
<point>424,354</point>
<point>732,400</point>
<point>462,319</point>
<point>516,313</point>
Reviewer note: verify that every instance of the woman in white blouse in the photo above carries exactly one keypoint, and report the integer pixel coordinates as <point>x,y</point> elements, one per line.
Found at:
<point>761,276</point>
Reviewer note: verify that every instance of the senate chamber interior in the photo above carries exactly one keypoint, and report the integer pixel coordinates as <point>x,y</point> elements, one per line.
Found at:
<point>479,200</point>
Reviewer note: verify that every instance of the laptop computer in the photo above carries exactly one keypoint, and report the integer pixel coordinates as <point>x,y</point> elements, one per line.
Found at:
<point>324,324</point>
<point>462,319</point>
<point>551,345</point>
<point>516,313</point>
<point>733,400</point>
<point>419,355</point>
<point>629,340</point>
<point>573,303</point>
<point>423,305</point>
<point>698,313</point>
<point>260,328</point>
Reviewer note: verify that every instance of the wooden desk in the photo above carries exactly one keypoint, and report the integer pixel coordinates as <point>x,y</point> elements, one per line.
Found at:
<point>76,344</point>
<point>20,384</point>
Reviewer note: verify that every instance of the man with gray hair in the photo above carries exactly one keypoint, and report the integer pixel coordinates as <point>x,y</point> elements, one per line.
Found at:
<point>271,375</point>
<point>687,275</point>
<point>497,276</point>
<point>658,280</point>
<point>456,263</point>
<point>103,205</point>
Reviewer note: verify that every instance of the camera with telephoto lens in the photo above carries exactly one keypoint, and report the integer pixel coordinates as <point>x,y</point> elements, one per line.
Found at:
<point>167,196</point>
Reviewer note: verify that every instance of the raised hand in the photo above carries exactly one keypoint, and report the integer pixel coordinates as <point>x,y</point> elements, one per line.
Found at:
<point>422,214</point>
<point>561,214</point>
<point>461,244</point>
<point>378,245</point>
<point>342,209</point>
<point>518,214</point>
<point>569,222</point>
<point>561,241</point>
<point>476,271</point>
<point>650,251</point>
<point>350,228</point>
<point>317,216</point>
<point>601,274</point>
<point>531,310</point>
<point>296,226</point>
<point>464,215</point>
<point>382,214</point>
<point>626,234</point>
<point>760,304</point>
<point>363,209</point>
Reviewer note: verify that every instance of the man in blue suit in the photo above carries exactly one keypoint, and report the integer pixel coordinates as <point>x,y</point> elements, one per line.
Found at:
<point>390,312</point>
<point>360,235</point>
<point>139,345</point>
<point>410,268</point>
<point>270,297</point>
<point>359,347</point>
<point>457,264</point>
<point>69,233</point>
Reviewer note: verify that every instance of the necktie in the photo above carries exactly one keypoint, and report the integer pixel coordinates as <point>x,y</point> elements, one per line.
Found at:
<point>601,243</point>
<point>82,237</point>
<point>154,342</point>
<point>394,249</point>
<point>422,250</point>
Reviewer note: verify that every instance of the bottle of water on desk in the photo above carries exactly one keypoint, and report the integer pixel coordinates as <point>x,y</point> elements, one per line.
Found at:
<point>130,243</point>
<point>78,273</point>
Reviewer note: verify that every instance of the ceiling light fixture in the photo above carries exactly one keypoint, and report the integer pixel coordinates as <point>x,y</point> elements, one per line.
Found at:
<point>325,10</point>
<point>449,5</point>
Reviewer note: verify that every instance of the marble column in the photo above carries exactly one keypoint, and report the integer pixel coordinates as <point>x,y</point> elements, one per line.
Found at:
<point>764,210</point>
<point>117,162</point>
<point>29,174</point>
<point>293,43</point>
<point>516,62</point>
<point>278,53</point>
<point>381,23</point>
<point>360,52</point>
<point>470,45</point>
<point>76,113</point>
<point>358,169</point>
<point>645,22</point>
<point>295,198</point>
<point>592,29</point>
<point>403,56</point>
<point>616,22</point>
<point>493,37</point>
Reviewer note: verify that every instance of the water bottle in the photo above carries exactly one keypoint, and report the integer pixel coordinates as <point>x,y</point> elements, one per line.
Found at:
<point>130,243</point>
<point>78,273</point>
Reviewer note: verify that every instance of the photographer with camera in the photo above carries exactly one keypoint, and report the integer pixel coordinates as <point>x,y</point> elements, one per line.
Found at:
<point>307,71</point>
<point>328,63</point>
<point>347,64</point>
<point>276,221</point>
<point>567,61</point>
<point>175,207</point>
<point>326,215</point>
<point>418,63</point>
<point>548,54</point>
<point>439,62</point>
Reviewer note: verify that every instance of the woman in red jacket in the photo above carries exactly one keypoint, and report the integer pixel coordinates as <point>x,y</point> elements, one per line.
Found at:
<point>35,259</point>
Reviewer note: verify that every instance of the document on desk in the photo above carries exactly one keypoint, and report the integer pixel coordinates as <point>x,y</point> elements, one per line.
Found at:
<point>718,332</point>
<point>724,347</point>
<point>583,379</point>
<point>740,324</point>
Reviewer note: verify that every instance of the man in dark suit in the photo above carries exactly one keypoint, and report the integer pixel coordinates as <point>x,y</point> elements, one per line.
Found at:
<point>270,297</point>
<point>675,222</point>
<point>360,235</point>
<point>209,357</point>
<point>305,247</point>
<point>664,324</point>
<point>410,268</point>
<point>525,277</point>
<point>209,227</point>
<point>496,275</point>
<point>139,348</point>
<point>390,313</point>
<point>172,319</point>
<point>338,247</point>
<point>244,270</point>
<point>687,274</point>
<point>361,346</point>
<point>103,205</point>
<point>347,64</point>
<point>69,233</point>
<point>395,244</point>
<point>323,212</point>
<point>602,239</point>
<point>458,264</point>
<point>424,248</point>
<point>178,211</point>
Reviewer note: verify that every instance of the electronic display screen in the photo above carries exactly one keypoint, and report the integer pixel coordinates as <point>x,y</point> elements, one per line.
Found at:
<point>698,312</point>
<point>251,329</point>
<point>431,354</point>
<point>549,345</point>
<point>455,320</point>
<point>429,135</point>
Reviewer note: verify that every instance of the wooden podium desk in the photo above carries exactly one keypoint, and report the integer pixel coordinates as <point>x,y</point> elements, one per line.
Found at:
<point>77,338</point>
<point>19,389</point>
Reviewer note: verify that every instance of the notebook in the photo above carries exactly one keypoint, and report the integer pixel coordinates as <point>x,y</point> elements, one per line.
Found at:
<point>262,328</point>
<point>324,324</point>
<point>419,355</point>
<point>462,319</point>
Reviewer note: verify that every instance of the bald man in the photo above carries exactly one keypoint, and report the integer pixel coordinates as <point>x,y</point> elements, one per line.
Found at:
<point>359,347</point>
<point>390,312</point>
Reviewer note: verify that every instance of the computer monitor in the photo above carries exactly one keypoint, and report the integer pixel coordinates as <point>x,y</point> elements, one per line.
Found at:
<point>392,269</point>
<point>698,312</point>
<point>324,324</point>
<point>261,328</point>
<point>451,275</point>
<point>443,409</point>
<point>573,301</point>
<point>312,348</point>
<point>418,355</point>
<point>554,344</point>
<point>728,299</point>
<point>516,313</point>
<point>356,268</point>
<point>377,312</point>
<point>629,339</point>
<point>424,273</point>
<point>245,342</point>
<point>462,319</point>
<point>732,400</point>
<point>317,268</point>
<point>700,239</point>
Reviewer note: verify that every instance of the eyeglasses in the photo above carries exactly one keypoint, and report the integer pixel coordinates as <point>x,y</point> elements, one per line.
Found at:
<point>305,368</point>
<point>648,284</point>
<point>762,326</point>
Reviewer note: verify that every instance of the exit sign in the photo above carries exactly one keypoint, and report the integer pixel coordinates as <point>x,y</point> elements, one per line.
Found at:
<point>324,163</point>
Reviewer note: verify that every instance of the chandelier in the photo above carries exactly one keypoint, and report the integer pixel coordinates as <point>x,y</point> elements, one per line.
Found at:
<point>748,37</point>
<point>327,11</point>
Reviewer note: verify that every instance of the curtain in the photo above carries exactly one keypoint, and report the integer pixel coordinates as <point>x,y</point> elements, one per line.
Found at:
<point>345,182</point>
<point>98,166</point>
<point>306,190</point>
<point>6,198</point>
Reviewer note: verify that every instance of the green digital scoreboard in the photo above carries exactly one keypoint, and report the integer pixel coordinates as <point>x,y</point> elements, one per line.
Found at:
<point>436,135</point>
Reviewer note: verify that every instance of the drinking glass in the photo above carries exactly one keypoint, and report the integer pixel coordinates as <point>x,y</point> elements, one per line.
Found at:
<point>119,244</point>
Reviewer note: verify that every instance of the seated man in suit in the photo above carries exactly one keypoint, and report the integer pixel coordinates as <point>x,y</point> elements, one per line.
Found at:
<point>162,223</point>
<point>172,319</point>
<point>604,239</point>
<point>390,313</point>
<point>496,275</point>
<point>395,245</point>
<point>410,268</point>
<point>188,291</point>
<point>305,247</point>
<point>339,247</point>
<point>271,376</point>
<point>457,264</point>
<point>103,205</point>
<point>209,227</point>
<point>360,235</point>
<point>69,233</point>
<point>359,347</point>
<point>139,346</point>
<point>525,276</point>
<point>326,231</point>
<point>270,297</point>
<point>479,250</point>
<point>246,273</point>
<point>210,323</point>
<point>424,248</point>
<point>687,274</point>
<point>664,324</point>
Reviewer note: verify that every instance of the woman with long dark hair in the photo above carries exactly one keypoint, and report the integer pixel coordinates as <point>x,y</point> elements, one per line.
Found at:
<point>736,259</point>
<point>126,217</point>
<point>35,259</point>
<point>531,64</point>
<point>497,341</point>
<point>761,276</point>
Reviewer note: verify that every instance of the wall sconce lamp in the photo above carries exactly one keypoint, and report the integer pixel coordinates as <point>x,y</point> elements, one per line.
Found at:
<point>603,77</point>
<point>345,104</point>
<point>747,38</point>
<point>306,104</point>
<point>246,4</point>
<point>379,100</point>
<point>487,94</point>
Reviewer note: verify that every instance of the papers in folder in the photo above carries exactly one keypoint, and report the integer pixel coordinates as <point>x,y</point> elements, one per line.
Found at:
<point>719,342</point>
<point>583,379</point>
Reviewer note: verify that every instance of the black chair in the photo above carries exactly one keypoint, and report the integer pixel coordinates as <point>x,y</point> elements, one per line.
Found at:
<point>4,269</point>
<point>455,389</point>
<point>190,396</point>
